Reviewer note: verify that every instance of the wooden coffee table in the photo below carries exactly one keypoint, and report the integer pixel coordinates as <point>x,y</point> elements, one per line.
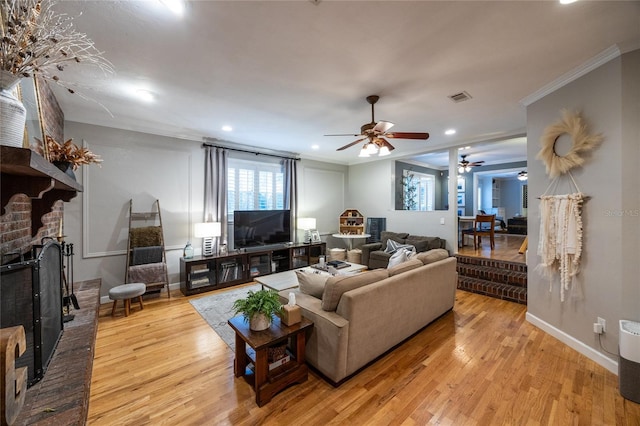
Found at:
<point>252,349</point>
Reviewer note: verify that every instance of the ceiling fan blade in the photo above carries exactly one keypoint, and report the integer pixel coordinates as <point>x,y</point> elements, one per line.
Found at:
<point>351,144</point>
<point>345,134</point>
<point>476,163</point>
<point>382,126</point>
<point>407,135</point>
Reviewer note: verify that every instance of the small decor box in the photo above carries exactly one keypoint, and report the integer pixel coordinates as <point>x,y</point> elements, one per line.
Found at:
<point>291,314</point>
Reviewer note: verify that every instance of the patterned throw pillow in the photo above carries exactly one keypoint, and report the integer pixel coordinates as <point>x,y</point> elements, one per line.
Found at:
<point>394,246</point>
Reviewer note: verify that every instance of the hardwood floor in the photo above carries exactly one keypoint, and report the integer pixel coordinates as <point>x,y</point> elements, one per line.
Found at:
<point>481,364</point>
<point>506,248</point>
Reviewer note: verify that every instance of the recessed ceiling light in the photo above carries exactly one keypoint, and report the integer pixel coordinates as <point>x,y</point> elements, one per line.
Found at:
<point>145,95</point>
<point>316,147</point>
<point>175,6</point>
<point>567,1</point>
<point>227,128</point>
<point>450,132</point>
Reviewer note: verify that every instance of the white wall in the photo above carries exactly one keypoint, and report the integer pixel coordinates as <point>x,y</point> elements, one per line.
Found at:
<point>136,166</point>
<point>371,192</point>
<point>608,285</point>
<point>146,167</point>
<point>322,193</point>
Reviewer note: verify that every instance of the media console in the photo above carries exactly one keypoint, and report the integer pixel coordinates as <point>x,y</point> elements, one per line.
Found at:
<point>200,274</point>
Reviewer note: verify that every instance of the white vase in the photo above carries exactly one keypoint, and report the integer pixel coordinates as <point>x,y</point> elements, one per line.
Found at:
<point>259,322</point>
<point>13,114</point>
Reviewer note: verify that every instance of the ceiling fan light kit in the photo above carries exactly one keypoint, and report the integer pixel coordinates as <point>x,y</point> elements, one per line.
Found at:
<point>375,132</point>
<point>465,165</point>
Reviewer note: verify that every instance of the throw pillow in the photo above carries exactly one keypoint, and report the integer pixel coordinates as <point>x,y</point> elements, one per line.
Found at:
<point>405,266</point>
<point>393,246</point>
<point>338,285</point>
<point>312,283</point>
<point>397,258</point>
<point>432,256</point>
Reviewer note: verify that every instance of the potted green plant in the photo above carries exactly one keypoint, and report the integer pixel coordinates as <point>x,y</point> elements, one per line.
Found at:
<point>258,308</point>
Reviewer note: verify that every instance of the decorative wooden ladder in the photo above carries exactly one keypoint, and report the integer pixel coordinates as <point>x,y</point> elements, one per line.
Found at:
<point>155,217</point>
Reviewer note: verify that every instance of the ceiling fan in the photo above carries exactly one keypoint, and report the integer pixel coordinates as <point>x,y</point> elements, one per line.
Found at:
<point>465,165</point>
<point>374,134</point>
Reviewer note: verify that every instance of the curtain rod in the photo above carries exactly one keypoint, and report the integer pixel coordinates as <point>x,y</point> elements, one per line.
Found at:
<point>204,145</point>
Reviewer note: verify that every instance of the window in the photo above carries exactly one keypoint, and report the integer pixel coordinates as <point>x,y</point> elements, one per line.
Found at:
<point>254,185</point>
<point>419,191</point>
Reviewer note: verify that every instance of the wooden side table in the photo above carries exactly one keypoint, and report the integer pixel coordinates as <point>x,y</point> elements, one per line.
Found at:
<point>253,346</point>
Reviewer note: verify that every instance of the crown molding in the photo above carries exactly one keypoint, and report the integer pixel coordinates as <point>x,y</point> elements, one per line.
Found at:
<point>593,63</point>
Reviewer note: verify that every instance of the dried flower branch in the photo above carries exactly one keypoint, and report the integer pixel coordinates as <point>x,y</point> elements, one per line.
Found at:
<point>37,40</point>
<point>68,152</point>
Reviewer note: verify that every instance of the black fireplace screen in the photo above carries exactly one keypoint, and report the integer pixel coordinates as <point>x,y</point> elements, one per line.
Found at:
<point>31,296</point>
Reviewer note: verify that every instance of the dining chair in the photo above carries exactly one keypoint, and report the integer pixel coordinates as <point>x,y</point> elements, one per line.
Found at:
<point>481,229</point>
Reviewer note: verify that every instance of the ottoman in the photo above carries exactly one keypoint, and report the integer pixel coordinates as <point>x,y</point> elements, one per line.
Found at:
<point>126,292</point>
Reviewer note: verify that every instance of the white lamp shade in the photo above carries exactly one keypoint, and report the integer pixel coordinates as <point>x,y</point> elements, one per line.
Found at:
<point>207,229</point>
<point>384,151</point>
<point>307,223</point>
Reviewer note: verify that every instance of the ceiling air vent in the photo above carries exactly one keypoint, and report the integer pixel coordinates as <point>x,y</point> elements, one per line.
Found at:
<point>460,97</point>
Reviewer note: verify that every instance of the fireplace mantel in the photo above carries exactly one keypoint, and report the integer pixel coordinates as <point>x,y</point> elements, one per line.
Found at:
<point>27,172</point>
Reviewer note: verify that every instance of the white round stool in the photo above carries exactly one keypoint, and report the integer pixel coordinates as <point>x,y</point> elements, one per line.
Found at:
<point>127,292</point>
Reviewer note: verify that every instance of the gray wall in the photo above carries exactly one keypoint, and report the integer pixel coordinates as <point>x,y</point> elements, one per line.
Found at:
<point>608,285</point>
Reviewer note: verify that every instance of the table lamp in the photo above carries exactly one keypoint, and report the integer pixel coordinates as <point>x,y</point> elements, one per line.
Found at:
<point>307,223</point>
<point>207,231</point>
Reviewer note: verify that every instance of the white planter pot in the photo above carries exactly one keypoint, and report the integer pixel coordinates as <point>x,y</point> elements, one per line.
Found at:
<point>13,114</point>
<point>259,322</point>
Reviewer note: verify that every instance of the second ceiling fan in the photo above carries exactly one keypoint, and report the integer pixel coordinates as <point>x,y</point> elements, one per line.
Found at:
<point>465,165</point>
<point>374,135</point>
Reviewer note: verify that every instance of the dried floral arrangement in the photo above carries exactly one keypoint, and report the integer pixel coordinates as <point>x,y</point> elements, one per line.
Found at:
<point>37,40</point>
<point>69,152</point>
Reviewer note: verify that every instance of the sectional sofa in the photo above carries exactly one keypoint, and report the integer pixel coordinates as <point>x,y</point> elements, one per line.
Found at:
<point>357,318</point>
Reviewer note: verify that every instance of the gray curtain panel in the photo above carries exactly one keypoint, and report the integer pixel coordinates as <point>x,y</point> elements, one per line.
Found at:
<point>290,167</point>
<point>215,189</point>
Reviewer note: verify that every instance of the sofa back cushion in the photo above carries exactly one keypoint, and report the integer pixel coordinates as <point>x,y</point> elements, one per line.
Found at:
<point>408,265</point>
<point>432,256</point>
<point>395,236</point>
<point>311,283</point>
<point>339,284</point>
<point>425,243</point>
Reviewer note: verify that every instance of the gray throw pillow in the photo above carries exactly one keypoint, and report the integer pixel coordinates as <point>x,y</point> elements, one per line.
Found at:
<point>312,283</point>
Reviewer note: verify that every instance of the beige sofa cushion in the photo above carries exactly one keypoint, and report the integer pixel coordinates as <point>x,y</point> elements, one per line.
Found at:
<point>432,256</point>
<point>408,265</point>
<point>311,283</point>
<point>339,284</point>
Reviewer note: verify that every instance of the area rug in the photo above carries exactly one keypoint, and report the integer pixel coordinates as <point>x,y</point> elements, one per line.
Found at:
<point>216,310</point>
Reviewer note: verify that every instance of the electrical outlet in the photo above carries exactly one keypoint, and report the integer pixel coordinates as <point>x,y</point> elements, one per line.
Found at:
<point>442,221</point>
<point>603,323</point>
<point>597,328</point>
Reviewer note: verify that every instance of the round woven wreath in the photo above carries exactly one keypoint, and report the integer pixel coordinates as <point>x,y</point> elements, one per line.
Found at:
<point>581,142</point>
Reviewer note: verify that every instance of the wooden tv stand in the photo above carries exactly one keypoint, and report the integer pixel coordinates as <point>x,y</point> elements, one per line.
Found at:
<point>200,274</point>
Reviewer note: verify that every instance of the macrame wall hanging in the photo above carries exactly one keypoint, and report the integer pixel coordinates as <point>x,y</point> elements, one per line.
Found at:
<point>560,243</point>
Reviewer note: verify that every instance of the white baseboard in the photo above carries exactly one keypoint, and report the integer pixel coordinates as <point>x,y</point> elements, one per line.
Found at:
<point>575,344</point>
<point>172,286</point>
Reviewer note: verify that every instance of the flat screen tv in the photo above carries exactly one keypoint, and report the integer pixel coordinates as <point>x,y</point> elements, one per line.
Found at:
<point>255,228</point>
